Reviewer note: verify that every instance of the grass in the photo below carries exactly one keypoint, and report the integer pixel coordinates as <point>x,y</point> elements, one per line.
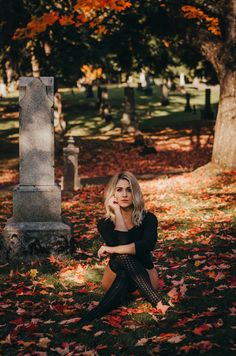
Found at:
<point>83,118</point>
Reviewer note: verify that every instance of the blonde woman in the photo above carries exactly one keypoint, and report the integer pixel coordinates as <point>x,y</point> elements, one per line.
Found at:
<point>130,234</point>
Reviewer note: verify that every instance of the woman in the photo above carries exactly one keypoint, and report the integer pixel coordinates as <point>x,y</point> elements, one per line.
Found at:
<point>130,234</point>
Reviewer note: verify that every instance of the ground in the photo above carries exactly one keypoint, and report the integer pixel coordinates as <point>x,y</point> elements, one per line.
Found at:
<point>41,301</point>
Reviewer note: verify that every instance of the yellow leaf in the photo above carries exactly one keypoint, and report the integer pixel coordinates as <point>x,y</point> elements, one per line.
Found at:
<point>43,342</point>
<point>33,273</point>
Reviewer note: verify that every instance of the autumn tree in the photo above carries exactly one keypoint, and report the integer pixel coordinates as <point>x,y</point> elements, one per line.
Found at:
<point>211,29</point>
<point>206,25</point>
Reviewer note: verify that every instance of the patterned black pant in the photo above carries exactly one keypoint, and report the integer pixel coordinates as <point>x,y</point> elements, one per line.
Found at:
<point>130,274</point>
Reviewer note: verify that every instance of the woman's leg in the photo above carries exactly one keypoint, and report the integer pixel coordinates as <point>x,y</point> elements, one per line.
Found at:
<point>113,298</point>
<point>137,272</point>
<point>108,278</point>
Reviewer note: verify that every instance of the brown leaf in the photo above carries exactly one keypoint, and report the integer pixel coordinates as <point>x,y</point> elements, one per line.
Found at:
<point>87,327</point>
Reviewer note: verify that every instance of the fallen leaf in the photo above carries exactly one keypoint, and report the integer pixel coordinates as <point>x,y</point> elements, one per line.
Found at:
<point>43,342</point>
<point>162,308</point>
<point>142,341</point>
<point>87,327</point>
<point>199,330</point>
<point>176,339</point>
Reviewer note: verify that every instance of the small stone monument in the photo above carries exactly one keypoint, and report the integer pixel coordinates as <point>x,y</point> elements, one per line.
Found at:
<point>207,113</point>
<point>196,83</point>
<point>187,105</point>
<point>89,91</point>
<point>164,94</point>
<point>99,96</point>
<point>181,80</point>
<point>105,106</point>
<point>70,175</point>
<point>129,119</point>
<point>3,90</point>
<point>142,79</point>
<point>36,227</point>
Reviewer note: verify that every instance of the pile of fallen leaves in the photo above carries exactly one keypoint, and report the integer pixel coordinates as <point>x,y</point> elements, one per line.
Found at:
<point>41,302</point>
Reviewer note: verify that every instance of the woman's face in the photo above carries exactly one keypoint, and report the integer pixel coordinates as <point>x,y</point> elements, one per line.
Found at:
<point>123,193</point>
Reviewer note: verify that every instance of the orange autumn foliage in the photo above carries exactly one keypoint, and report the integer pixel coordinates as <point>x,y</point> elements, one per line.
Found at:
<point>91,73</point>
<point>84,11</point>
<point>212,23</point>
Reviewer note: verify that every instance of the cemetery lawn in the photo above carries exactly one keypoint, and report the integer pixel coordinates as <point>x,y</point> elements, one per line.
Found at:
<point>41,301</point>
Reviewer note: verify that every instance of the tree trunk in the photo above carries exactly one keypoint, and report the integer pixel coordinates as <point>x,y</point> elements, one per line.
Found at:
<point>224,148</point>
<point>34,62</point>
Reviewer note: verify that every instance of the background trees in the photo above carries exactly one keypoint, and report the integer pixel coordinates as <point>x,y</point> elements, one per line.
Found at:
<point>59,37</point>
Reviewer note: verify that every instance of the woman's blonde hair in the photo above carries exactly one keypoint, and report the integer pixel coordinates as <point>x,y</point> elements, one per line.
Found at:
<point>137,196</point>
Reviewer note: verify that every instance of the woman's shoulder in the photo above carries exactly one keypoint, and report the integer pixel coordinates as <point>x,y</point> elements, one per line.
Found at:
<point>103,222</point>
<point>149,216</point>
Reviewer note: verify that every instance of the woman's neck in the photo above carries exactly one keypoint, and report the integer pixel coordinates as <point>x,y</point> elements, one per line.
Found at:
<point>127,212</point>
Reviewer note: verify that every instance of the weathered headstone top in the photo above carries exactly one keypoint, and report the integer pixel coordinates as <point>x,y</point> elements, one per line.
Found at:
<point>36,131</point>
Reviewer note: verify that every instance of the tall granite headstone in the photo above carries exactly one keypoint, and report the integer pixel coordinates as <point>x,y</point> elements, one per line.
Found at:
<point>36,226</point>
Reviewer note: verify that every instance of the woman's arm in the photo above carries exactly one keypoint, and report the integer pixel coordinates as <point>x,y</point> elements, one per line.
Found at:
<point>120,249</point>
<point>120,224</point>
<point>119,221</point>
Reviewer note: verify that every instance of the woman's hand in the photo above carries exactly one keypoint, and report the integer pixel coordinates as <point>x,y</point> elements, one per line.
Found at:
<point>113,203</point>
<point>104,250</point>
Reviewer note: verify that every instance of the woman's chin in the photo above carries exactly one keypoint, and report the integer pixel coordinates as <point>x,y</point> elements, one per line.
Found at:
<point>125,206</point>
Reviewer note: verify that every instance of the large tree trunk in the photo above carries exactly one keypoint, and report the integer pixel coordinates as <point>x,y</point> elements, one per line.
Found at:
<point>220,51</point>
<point>224,148</point>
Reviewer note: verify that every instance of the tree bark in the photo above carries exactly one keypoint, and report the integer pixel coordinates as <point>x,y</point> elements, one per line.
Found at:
<point>220,54</point>
<point>224,148</point>
<point>34,62</point>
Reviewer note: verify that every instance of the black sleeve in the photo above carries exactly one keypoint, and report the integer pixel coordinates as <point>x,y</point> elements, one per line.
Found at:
<point>112,237</point>
<point>149,239</point>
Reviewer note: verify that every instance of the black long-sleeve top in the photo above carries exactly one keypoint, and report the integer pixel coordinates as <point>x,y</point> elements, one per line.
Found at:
<point>144,237</point>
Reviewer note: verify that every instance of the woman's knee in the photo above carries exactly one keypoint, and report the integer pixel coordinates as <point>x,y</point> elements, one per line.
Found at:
<point>119,261</point>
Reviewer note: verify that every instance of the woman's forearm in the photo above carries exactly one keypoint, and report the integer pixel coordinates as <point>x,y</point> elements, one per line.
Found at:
<point>120,224</point>
<point>120,249</point>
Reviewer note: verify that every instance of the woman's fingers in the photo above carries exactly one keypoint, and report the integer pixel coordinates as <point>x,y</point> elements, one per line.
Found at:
<point>101,252</point>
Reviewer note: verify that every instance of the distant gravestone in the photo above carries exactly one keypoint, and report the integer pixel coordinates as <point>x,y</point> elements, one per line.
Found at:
<point>129,119</point>
<point>164,95</point>
<point>3,90</point>
<point>196,83</point>
<point>207,113</point>
<point>142,79</point>
<point>89,91</point>
<point>187,105</point>
<point>99,96</point>
<point>70,174</point>
<point>105,106</point>
<point>36,226</point>
<point>181,80</point>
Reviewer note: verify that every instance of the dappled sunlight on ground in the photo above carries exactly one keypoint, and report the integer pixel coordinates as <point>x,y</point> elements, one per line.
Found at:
<point>42,301</point>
